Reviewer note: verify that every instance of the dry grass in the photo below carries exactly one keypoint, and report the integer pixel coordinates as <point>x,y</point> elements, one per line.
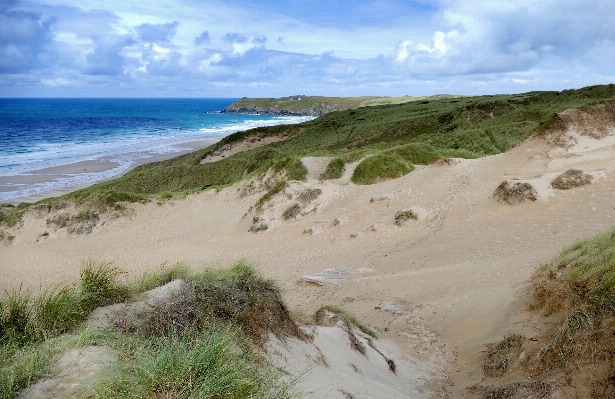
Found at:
<point>503,355</point>
<point>309,195</point>
<point>570,179</point>
<point>516,390</point>
<point>291,212</point>
<point>403,217</point>
<point>515,193</point>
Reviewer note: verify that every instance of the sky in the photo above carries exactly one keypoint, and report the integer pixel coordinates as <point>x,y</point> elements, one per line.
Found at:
<point>273,48</point>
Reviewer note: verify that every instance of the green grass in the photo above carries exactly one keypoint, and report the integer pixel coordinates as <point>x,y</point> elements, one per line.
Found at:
<point>340,312</point>
<point>334,169</point>
<point>278,187</point>
<point>314,103</point>
<point>579,286</point>
<point>188,364</point>
<point>380,167</point>
<point>465,127</point>
<point>26,317</point>
<point>200,346</point>
<point>166,274</point>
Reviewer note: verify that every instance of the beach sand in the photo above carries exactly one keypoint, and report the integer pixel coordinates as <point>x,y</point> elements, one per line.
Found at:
<point>440,287</point>
<point>98,165</point>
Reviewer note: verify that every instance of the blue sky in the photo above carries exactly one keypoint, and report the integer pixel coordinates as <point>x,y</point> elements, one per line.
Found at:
<point>271,48</point>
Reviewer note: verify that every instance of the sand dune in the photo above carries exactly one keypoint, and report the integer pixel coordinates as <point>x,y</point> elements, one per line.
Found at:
<point>455,275</point>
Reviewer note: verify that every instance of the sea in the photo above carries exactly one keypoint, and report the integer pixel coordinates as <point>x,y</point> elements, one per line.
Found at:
<point>37,134</point>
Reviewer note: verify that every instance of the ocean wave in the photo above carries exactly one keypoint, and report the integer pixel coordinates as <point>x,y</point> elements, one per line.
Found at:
<point>124,149</point>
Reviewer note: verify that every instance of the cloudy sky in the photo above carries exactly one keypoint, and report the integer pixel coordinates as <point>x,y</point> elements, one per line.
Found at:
<point>271,48</point>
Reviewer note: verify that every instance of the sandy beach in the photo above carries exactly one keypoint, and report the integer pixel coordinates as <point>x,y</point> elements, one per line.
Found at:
<point>456,276</point>
<point>12,183</point>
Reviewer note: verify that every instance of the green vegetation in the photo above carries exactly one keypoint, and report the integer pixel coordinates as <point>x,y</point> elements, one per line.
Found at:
<point>402,217</point>
<point>196,346</point>
<point>312,105</point>
<point>279,186</point>
<point>380,167</point>
<point>577,291</point>
<point>343,314</point>
<point>26,318</point>
<point>413,132</point>
<point>334,170</point>
<point>192,365</point>
<point>4,236</point>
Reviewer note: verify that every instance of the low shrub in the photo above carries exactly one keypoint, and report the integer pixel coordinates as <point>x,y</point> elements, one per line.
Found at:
<point>515,193</point>
<point>380,167</point>
<point>570,179</point>
<point>334,170</point>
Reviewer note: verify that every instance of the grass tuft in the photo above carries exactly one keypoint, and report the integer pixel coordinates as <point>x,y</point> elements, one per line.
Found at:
<point>402,217</point>
<point>340,312</point>
<point>278,187</point>
<point>579,286</point>
<point>100,285</point>
<point>188,364</point>
<point>502,355</point>
<point>166,274</point>
<point>380,167</point>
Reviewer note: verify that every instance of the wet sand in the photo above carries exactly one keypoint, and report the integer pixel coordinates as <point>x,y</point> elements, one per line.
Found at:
<point>98,165</point>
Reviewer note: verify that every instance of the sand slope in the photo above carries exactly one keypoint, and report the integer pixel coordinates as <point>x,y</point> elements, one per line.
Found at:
<point>454,275</point>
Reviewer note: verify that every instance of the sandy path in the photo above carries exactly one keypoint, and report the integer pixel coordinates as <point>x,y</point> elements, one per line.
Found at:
<point>456,273</point>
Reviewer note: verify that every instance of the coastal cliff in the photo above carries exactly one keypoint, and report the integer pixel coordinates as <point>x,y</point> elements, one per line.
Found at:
<point>300,105</point>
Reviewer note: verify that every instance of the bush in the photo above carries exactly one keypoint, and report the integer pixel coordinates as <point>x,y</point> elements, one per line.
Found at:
<point>334,170</point>
<point>344,315</point>
<point>380,167</point>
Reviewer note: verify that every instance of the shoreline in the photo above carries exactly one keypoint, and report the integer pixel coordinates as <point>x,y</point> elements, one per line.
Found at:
<point>97,165</point>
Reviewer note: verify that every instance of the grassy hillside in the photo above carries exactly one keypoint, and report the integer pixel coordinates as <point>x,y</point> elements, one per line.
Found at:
<point>312,105</point>
<point>417,132</point>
